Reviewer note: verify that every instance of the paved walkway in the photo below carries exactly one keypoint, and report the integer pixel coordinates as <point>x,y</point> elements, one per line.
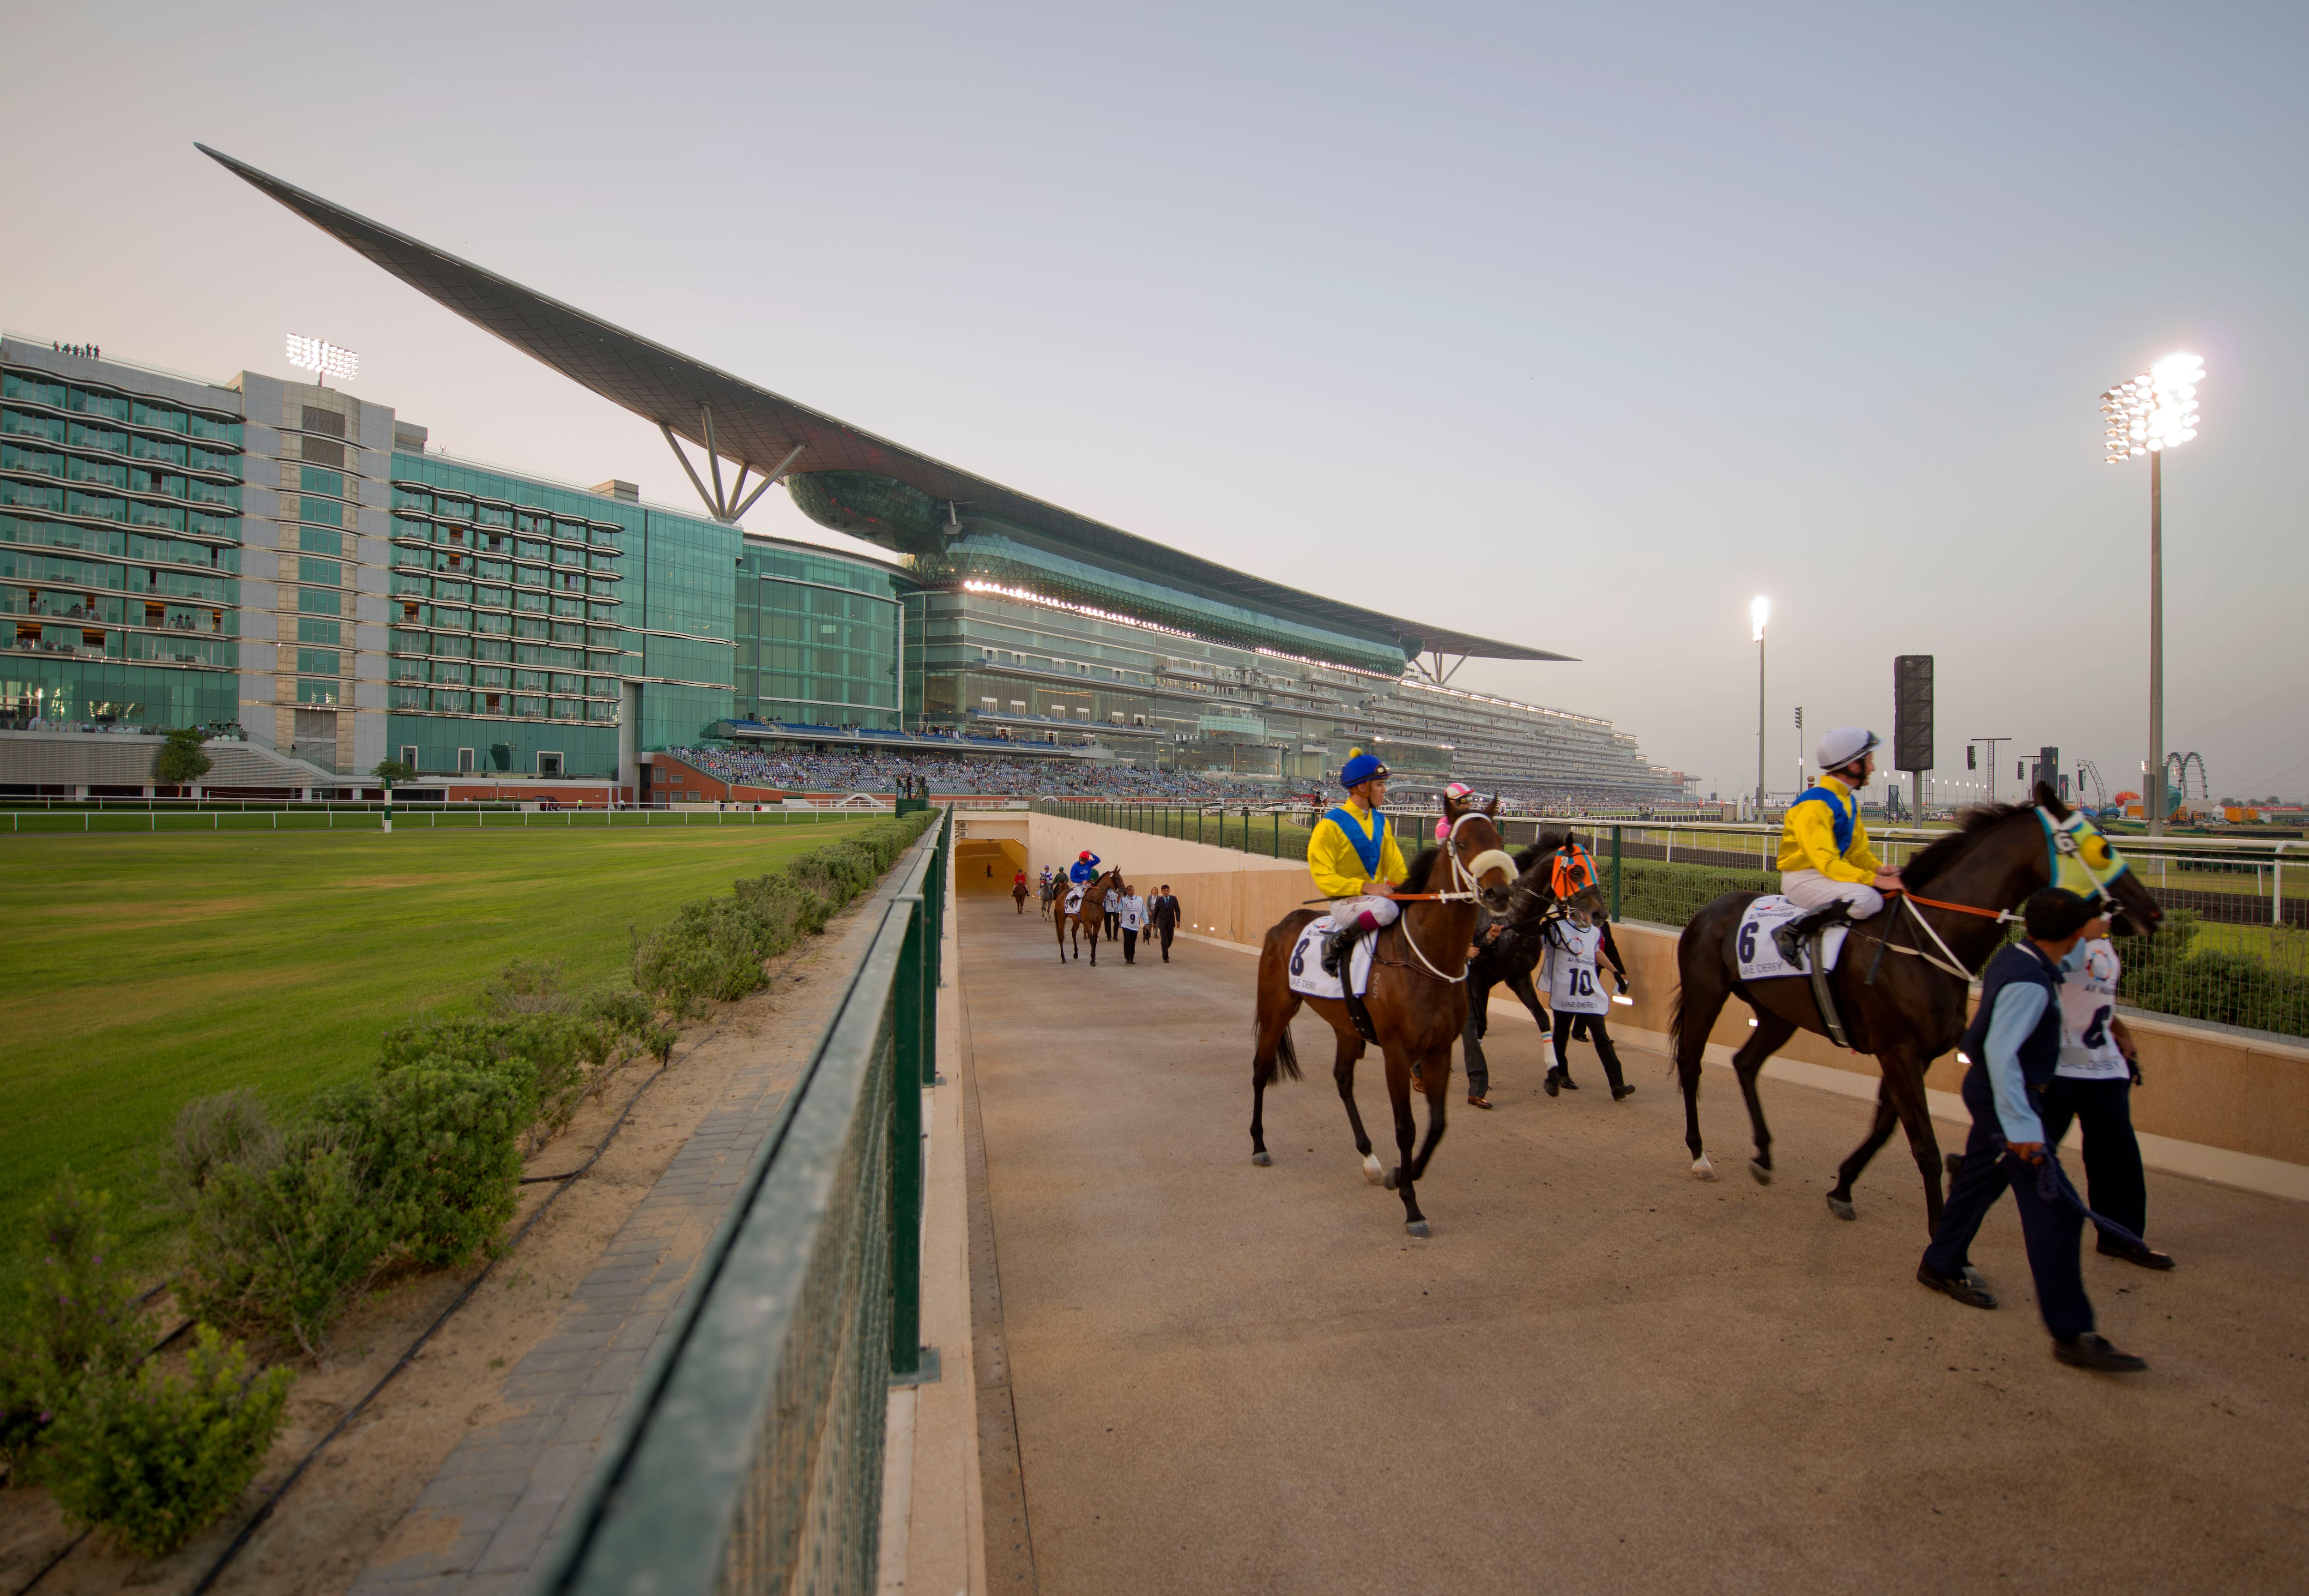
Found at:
<point>488,1514</point>
<point>1599,1375</point>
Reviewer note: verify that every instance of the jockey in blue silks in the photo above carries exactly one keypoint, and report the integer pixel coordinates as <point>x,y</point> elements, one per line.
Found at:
<point>1083,870</point>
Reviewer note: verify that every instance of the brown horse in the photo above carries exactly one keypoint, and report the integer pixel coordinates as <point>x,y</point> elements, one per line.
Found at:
<point>1018,891</point>
<point>1908,1008</point>
<point>1417,1002</point>
<point>1090,916</point>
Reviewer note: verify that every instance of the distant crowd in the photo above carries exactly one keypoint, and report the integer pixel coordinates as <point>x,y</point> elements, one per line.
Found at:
<point>872,771</point>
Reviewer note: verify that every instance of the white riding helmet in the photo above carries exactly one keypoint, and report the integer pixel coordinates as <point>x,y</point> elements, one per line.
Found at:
<point>1841,747</point>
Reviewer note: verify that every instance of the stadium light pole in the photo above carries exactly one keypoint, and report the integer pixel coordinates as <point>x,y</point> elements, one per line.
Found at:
<point>2153,413</point>
<point>1759,610</point>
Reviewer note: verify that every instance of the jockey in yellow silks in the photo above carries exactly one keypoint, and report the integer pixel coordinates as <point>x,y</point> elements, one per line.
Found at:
<point>1826,866</point>
<point>1355,858</point>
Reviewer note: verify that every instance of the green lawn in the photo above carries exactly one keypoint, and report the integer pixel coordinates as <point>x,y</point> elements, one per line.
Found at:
<point>143,971</point>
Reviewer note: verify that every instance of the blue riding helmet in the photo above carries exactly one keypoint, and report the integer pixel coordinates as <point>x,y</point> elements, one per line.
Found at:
<point>1361,767</point>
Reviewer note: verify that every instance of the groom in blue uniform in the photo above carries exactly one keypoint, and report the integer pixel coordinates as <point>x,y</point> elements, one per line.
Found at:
<point>2014,1044</point>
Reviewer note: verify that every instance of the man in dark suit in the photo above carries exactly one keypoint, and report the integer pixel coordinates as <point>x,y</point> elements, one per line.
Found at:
<point>1163,918</point>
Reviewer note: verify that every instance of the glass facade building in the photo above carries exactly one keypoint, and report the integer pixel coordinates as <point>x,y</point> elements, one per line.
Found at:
<point>293,559</point>
<point>120,543</point>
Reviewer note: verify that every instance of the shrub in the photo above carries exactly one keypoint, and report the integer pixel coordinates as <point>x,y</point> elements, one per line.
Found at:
<point>283,1248</point>
<point>231,1128</point>
<point>714,947</point>
<point>71,1309</point>
<point>1669,894</point>
<point>526,987</point>
<point>440,1143</point>
<point>149,1460</point>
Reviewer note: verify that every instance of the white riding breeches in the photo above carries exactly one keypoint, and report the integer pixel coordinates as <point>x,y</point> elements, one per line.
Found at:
<point>1809,889</point>
<point>1368,914</point>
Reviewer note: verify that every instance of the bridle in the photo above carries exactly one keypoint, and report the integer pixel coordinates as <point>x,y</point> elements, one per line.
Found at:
<point>2060,838</point>
<point>1465,876</point>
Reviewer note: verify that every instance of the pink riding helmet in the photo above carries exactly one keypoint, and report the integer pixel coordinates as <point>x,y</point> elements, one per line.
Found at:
<point>1457,789</point>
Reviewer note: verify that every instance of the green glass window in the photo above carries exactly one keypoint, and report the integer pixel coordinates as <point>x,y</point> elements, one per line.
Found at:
<point>327,511</point>
<point>320,601</point>
<point>317,661</point>
<point>330,633</point>
<point>327,572</point>
<point>320,539</point>
<point>313,480</point>
<point>321,692</point>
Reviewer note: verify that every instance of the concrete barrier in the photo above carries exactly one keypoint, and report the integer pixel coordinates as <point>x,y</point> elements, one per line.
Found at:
<point>2213,1104</point>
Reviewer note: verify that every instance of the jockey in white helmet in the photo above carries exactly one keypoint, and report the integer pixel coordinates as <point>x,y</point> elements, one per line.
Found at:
<point>1826,867</point>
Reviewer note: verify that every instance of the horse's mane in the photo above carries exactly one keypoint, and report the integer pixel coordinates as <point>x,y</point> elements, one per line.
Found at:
<point>1973,825</point>
<point>1550,841</point>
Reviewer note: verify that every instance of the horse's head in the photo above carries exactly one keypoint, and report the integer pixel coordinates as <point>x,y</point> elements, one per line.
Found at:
<point>2021,846</point>
<point>1478,856</point>
<point>1557,875</point>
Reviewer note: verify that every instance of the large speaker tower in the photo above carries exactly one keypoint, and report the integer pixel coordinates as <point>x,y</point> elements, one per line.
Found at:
<point>1912,721</point>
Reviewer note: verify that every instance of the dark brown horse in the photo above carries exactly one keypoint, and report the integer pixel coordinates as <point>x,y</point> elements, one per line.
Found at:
<point>1891,985</point>
<point>1090,916</point>
<point>1507,956</point>
<point>1018,890</point>
<point>1417,1002</point>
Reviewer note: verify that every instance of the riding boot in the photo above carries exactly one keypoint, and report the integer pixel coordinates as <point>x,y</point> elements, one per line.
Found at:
<point>1336,946</point>
<point>1791,937</point>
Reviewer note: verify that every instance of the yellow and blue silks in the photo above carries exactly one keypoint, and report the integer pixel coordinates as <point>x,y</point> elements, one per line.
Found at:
<point>1351,845</point>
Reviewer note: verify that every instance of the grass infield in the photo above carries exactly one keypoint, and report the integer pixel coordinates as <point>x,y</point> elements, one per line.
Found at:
<point>146,970</point>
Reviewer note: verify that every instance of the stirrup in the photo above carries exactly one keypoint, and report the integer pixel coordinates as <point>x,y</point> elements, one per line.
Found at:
<point>1790,937</point>
<point>1335,951</point>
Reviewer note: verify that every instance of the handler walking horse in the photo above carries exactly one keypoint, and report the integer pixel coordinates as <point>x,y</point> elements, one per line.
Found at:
<point>1417,1002</point>
<point>1909,1009</point>
<point>1018,890</point>
<point>1089,915</point>
<point>1508,958</point>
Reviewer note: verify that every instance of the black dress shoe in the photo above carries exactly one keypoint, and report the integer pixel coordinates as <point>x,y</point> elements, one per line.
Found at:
<point>2093,1351</point>
<point>1959,1287</point>
<point>1622,1090</point>
<point>2147,1257</point>
<point>1569,1083</point>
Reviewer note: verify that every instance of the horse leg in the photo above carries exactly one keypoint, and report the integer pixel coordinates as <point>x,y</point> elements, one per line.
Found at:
<point>1521,987</point>
<point>1839,1198</point>
<point>1695,1019</point>
<point>1271,1050</point>
<point>1399,1178</point>
<point>1772,1033</point>
<point>1904,1079</point>
<point>1436,1075</point>
<point>1094,947</point>
<point>1343,1071</point>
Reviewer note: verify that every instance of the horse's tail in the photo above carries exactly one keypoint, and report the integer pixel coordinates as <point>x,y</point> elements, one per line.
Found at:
<point>1675,1023</point>
<point>1286,1057</point>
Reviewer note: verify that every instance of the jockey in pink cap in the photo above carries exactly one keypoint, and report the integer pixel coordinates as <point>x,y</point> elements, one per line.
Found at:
<point>1457,789</point>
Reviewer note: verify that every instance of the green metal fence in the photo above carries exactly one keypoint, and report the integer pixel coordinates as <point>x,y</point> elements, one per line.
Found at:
<point>2235,949</point>
<point>751,1459</point>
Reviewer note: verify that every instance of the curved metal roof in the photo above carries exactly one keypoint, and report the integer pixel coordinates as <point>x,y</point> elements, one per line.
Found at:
<point>757,426</point>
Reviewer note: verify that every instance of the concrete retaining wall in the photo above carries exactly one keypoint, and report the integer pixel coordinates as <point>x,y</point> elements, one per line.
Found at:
<point>2219,1106</point>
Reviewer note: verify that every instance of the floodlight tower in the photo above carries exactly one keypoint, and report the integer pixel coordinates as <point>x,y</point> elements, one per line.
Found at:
<point>1759,610</point>
<point>323,360</point>
<point>2155,411</point>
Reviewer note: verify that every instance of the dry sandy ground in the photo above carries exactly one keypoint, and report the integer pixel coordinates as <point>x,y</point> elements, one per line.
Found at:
<point>330,1525</point>
<point>1599,1375</point>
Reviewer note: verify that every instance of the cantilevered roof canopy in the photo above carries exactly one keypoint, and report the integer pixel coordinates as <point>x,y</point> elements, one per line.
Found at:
<point>762,429</point>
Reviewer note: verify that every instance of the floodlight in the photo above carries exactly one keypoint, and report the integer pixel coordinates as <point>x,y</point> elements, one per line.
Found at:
<point>323,359</point>
<point>2154,412</point>
<point>1759,610</point>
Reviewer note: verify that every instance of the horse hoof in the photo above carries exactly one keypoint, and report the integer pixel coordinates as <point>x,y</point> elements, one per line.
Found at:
<point>1762,1174</point>
<point>1417,1227</point>
<point>1371,1171</point>
<point>1262,1158</point>
<point>1840,1208</point>
<point>1701,1169</point>
<point>1391,1182</point>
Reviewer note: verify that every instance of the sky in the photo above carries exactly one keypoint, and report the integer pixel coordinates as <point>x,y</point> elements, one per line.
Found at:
<point>1575,327</point>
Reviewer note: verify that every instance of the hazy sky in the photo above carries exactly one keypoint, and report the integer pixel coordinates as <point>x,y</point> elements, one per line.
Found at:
<point>1569,326</point>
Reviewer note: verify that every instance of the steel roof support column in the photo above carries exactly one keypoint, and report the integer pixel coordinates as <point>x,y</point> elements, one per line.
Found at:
<point>713,463</point>
<point>695,480</point>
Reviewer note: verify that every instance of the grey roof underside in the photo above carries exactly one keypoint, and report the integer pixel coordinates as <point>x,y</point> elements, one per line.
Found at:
<point>760,428</point>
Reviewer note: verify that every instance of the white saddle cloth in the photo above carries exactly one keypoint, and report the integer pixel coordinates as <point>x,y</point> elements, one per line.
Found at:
<point>1074,899</point>
<point>1308,977</point>
<point>1759,955</point>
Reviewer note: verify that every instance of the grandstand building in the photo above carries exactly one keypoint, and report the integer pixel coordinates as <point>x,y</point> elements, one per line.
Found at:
<point>489,622</point>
